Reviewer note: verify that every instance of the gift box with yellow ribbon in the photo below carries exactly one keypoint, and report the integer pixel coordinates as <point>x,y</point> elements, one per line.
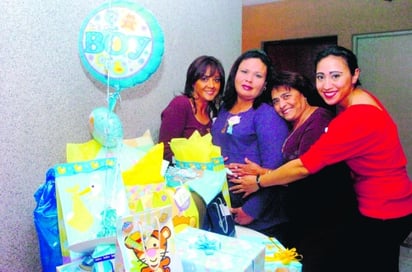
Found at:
<point>277,257</point>
<point>201,250</point>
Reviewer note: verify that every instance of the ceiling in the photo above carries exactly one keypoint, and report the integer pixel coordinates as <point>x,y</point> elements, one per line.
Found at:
<point>257,2</point>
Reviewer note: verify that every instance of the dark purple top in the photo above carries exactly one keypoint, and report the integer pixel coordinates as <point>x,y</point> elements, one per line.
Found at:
<point>299,141</point>
<point>179,121</point>
<point>326,197</point>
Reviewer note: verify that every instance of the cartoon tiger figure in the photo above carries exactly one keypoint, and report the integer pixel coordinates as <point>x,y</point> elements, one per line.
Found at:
<point>154,252</point>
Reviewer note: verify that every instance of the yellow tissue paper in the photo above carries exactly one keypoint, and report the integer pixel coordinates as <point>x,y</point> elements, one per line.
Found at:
<point>144,141</point>
<point>147,170</point>
<point>196,148</point>
<point>82,152</point>
<point>79,152</point>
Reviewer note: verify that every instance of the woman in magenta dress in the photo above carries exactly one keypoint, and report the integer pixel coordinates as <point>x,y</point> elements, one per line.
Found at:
<point>195,108</point>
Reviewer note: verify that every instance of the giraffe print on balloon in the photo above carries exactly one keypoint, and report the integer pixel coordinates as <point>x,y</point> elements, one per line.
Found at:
<point>120,45</point>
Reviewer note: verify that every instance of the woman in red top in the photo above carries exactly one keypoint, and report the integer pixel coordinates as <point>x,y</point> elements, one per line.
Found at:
<point>364,136</point>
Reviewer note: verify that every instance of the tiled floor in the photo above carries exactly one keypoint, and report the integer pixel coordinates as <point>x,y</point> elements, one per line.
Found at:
<point>405,259</point>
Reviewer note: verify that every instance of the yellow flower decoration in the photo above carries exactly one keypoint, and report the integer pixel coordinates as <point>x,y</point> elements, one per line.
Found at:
<point>61,170</point>
<point>95,165</point>
<point>78,168</point>
<point>110,162</point>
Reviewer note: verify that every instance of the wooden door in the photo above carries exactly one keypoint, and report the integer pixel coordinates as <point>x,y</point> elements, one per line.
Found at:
<point>297,55</point>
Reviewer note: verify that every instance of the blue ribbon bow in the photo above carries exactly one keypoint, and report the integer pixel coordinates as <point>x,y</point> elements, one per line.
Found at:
<point>208,246</point>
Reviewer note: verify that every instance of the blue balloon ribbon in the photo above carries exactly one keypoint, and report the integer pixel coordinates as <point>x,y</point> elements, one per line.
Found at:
<point>112,99</point>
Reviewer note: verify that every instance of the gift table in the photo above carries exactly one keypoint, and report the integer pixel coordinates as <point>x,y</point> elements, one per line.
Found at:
<point>149,184</point>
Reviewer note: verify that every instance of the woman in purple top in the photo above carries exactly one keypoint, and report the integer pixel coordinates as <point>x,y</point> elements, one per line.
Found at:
<point>195,108</point>
<point>248,127</point>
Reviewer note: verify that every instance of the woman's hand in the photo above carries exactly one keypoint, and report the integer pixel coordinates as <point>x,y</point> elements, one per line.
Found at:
<point>240,216</point>
<point>247,168</point>
<point>245,184</point>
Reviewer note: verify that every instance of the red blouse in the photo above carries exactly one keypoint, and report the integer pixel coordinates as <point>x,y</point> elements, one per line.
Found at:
<point>366,138</point>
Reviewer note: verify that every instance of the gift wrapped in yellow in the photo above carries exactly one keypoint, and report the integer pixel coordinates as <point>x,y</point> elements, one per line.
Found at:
<point>145,178</point>
<point>196,148</point>
<point>147,170</point>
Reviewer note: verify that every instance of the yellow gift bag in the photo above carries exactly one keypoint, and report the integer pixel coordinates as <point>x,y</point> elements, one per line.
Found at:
<point>146,188</point>
<point>144,181</point>
<point>90,197</point>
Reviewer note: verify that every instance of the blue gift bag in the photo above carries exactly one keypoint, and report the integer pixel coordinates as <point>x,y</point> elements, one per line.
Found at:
<point>46,223</point>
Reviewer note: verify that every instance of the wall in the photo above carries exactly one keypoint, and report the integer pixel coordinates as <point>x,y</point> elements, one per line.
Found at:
<point>46,96</point>
<point>293,19</point>
<point>386,61</point>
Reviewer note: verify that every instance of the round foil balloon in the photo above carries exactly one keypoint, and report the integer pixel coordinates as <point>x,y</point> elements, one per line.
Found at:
<point>106,127</point>
<point>121,44</point>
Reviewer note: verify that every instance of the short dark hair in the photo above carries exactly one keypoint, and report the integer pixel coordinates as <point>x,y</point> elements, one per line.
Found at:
<point>301,83</point>
<point>339,51</point>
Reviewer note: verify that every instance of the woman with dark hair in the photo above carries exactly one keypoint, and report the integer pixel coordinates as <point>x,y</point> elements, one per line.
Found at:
<point>196,106</point>
<point>247,126</point>
<point>231,96</point>
<point>364,136</point>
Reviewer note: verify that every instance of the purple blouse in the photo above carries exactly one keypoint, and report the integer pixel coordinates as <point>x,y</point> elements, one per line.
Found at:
<point>257,134</point>
<point>179,121</point>
<point>326,197</point>
<point>299,141</point>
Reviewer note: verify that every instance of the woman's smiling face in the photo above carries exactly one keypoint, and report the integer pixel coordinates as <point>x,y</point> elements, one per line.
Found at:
<point>250,78</point>
<point>207,87</point>
<point>289,103</point>
<point>334,80</point>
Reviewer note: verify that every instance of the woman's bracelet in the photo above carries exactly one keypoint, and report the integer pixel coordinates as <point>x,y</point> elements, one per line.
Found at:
<point>258,178</point>
<point>258,182</point>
